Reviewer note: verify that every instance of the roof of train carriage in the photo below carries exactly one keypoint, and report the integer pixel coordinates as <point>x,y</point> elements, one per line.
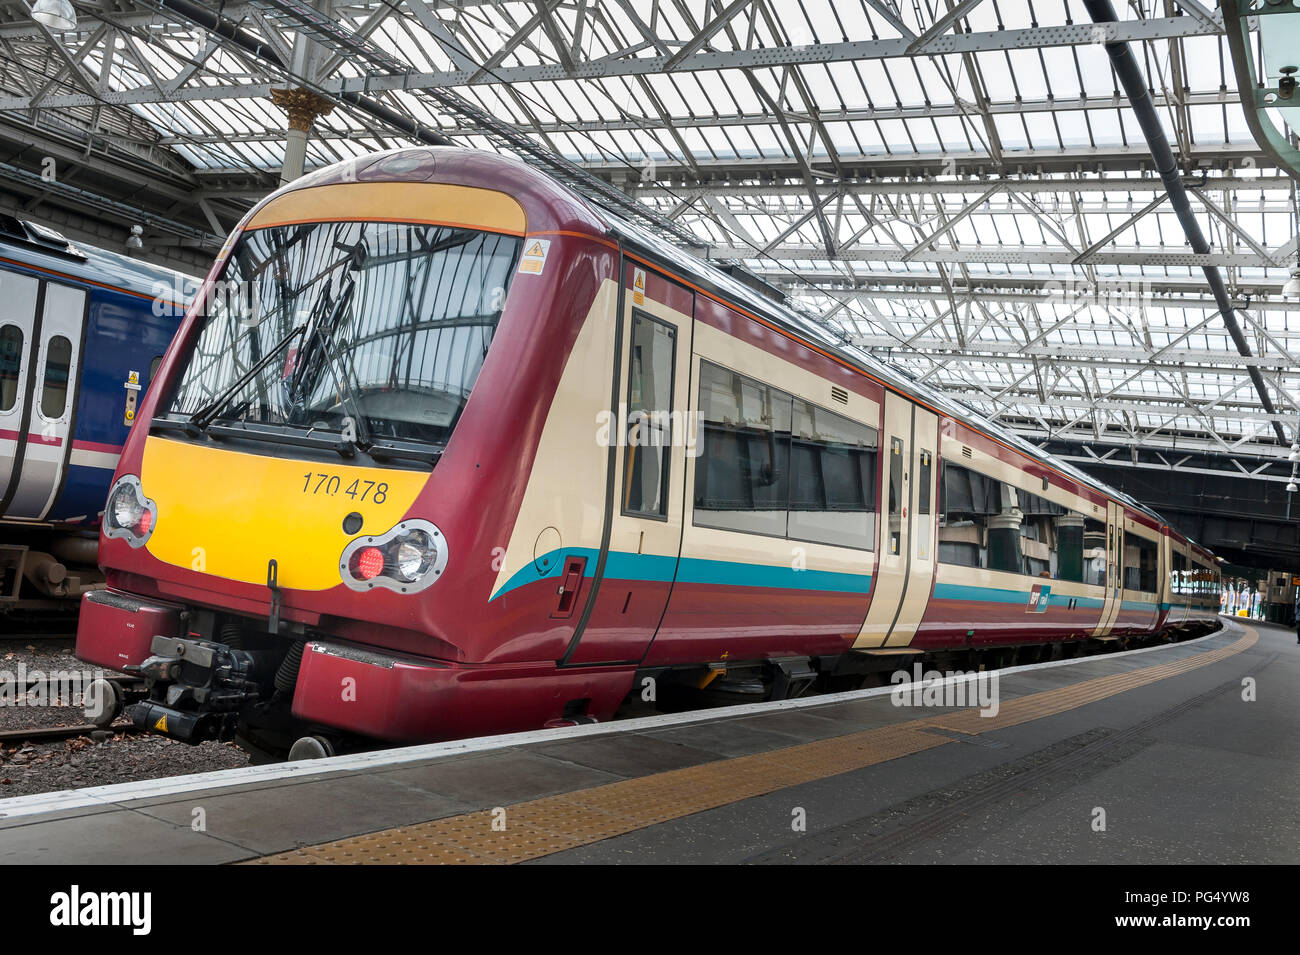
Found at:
<point>800,324</point>
<point>44,248</point>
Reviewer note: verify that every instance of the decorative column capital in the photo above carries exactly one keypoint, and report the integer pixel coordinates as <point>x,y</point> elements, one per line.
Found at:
<point>302,105</point>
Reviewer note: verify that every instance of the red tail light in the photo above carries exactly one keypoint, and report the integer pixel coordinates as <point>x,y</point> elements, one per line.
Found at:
<point>369,563</point>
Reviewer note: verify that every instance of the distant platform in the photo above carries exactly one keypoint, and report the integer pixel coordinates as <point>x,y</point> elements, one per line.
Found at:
<point>1179,753</point>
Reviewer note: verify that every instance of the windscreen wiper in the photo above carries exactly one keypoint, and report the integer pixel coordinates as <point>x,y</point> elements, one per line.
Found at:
<point>204,416</point>
<point>322,338</point>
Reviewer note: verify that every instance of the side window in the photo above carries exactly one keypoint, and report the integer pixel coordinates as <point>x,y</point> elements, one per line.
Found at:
<point>781,466</point>
<point>1148,565</point>
<point>962,517</point>
<point>895,493</point>
<point>1094,552</point>
<point>832,478</point>
<point>1141,560</point>
<point>54,393</point>
<point>153,369</point>
<point>926,478</point>
<point>742,476</point>
<point>650,419</point>
<point>984,522</point>
<point>11,362</point>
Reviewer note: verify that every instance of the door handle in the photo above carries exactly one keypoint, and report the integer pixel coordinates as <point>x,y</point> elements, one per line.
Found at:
<point>570,587</point>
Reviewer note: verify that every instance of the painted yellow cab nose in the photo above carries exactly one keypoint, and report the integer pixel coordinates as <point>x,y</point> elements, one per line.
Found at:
<point>227,514</point>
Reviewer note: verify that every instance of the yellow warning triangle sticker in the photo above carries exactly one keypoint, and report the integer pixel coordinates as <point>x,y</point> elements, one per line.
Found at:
<point>161,725</point>
<point>640,280</point>
<point>535,250</point>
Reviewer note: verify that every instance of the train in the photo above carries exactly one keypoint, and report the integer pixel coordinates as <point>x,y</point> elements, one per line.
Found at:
<point>445,450</point>
<point>82,333</point>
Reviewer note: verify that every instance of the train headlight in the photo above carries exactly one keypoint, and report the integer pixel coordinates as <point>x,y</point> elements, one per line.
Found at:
<point>407,559</point>
<point>415,555</point>
<point>129,514</point>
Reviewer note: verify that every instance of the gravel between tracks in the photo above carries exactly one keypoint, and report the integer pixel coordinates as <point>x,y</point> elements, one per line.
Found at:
<point>81,762</point>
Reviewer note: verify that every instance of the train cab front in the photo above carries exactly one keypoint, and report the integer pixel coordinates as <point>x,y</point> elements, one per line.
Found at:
<point>276,507</point>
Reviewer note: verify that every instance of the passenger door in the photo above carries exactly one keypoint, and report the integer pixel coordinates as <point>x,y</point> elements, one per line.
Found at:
<point>1114,568</point>
<point>919,516</point>
<point>893,546</point>
<point>42,455</point>
<point>637,567</point>
<point>18,300</point>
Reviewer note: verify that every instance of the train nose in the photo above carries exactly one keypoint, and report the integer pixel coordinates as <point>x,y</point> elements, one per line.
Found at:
<point>229,514</point>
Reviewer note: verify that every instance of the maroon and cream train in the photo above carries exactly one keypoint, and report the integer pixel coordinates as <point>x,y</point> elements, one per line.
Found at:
<point>343,515</point>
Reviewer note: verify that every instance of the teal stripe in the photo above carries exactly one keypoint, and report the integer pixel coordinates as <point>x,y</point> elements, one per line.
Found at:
<point>1137,605</point>
<point>621,565</point>
<point>999,595</point>
<point>695,570</point>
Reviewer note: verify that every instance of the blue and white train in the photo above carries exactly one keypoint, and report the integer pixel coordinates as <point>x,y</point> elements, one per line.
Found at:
<point>82,331</point>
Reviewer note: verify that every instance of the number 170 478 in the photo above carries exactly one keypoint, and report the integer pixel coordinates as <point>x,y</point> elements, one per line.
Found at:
<point>332,485</point>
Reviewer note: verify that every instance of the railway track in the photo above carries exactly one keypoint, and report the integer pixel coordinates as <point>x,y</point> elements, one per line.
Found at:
<point>55,690</point>
<point>47,734</point>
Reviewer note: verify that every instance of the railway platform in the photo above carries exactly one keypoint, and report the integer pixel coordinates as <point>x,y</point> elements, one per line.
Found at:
<point>1180,753</point>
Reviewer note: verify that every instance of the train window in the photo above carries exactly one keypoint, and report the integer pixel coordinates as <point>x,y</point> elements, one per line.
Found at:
<point>1040,534</point>
<point>1178,573</point>
<point>988,523</point>
<point>963,520</point>
<point>1094,552</point>
<point>896,494</point>
<point>11,362</point>
<point>379,324</point>
<point>926,477</point>
<point>832,478</point>
<point>742,476</point>
<point>1141,563</point>
<point>981,521</point>
<point>653,351</point>
<point>54,392</point>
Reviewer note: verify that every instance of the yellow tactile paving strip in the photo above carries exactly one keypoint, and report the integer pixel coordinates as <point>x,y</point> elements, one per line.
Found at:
<point>541,827</point>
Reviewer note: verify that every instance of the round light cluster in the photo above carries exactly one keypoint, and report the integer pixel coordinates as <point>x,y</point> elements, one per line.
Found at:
<point>129,514</point>
<point>407,559</point>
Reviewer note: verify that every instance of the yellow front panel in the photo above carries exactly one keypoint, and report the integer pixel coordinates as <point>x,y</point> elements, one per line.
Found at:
<point>432,202</point>
<point>228,514</point>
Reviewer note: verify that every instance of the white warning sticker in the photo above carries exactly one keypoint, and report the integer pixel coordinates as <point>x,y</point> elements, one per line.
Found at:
<point>638,286</point>
<point>534,257</point>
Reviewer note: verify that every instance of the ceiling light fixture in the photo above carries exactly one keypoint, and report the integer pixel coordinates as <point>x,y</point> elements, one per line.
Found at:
<point>1292,287</point>
<point>55,14</point>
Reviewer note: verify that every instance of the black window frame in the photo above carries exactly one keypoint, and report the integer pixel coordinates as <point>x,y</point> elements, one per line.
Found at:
<point>665,476</point>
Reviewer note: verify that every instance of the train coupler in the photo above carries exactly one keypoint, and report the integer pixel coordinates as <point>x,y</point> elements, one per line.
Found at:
<point>196,688</point>
<point>184,725</point>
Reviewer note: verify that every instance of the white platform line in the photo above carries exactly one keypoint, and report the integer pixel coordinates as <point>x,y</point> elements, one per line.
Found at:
<point>120,794</point>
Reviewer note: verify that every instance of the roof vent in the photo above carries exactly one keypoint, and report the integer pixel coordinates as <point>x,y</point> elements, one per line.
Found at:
<point>743,275</point>
<point>34,234</point>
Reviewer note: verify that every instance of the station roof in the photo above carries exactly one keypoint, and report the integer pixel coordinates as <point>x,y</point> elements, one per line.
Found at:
<point>960,188</point>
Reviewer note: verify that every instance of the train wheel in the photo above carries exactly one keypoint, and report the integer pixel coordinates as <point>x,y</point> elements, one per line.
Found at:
<point>311,747</point>
<point>103,702</point>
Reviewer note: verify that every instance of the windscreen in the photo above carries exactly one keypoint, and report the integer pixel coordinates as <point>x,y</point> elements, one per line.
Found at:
<point>335,321</point>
